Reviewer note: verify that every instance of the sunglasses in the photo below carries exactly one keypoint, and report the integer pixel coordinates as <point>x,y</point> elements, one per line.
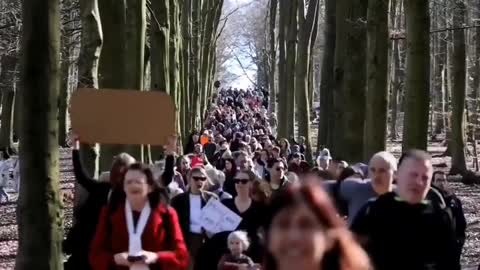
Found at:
<point>199,178</point>
<point>243,181</point>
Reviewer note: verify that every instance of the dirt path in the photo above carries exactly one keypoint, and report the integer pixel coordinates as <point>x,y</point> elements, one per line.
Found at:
<point>470,196</point>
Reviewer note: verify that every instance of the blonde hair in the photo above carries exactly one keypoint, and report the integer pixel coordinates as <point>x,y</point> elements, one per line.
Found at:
<point>240,236</point>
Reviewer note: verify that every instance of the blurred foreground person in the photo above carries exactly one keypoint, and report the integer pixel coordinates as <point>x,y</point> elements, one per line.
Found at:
<point>304,231</point>
<point>138,230</point>
<point>402,230</point>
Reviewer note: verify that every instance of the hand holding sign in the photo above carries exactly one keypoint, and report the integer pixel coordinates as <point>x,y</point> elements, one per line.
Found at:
<point>217,218</point>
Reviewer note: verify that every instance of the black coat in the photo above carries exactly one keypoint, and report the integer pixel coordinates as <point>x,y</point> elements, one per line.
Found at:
<point>420,234</point>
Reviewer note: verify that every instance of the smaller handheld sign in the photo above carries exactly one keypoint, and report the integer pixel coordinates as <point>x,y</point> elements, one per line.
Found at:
<point>216,217</point>
<point>122,116</point>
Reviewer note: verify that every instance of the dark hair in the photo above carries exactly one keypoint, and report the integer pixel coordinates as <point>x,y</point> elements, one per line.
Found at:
<point>274,161</point>
<point>157,196</point>
<point>416,154</point>
<point>345,253</point>
<point>346,173</point>
<point>322,173</point>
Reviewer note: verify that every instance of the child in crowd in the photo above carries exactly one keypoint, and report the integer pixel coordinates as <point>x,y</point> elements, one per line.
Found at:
<point>238,243</point>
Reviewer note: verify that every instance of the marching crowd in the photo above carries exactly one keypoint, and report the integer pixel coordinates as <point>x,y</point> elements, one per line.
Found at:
<point>280,212</point>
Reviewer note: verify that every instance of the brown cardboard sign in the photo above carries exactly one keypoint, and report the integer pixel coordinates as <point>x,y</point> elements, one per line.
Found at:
<point>122,116</point>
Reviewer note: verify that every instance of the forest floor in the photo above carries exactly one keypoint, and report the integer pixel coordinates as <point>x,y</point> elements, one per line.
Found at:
<point>469,195</point>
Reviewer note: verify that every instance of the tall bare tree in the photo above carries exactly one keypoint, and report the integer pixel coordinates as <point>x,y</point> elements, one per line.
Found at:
<point>327,81</point>
<point>306,26</point>
<point>459,88</point>
<point>39,215</point>
<point>377,74</point>
<point>417,95</point>
<point>350,76</point>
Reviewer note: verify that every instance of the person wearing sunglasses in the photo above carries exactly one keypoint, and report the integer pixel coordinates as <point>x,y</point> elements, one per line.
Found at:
<point>248,209</point>
<point>188,206</point>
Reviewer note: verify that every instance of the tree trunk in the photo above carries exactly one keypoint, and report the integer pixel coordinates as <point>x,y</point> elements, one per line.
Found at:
<point>88,62</point>
<point>327,81</point>
<point>39,215</point>
<point>282,70</point>
<point>415,133</point>
<point>476,76</point>
<point>135,31</point>
<point>458,90</point>
<point>7,88</point>
<point>272,55</point>
<point>292,33</point>
<point>186,32</point>
<point>194,62</point>
<point>159,42</point>
<point>377,74</point>
<point>63,99</point>
<point>350,76</point>
<point>159,54</point>
<point>305,34</point>
<point>439,70</point>
<point>112,61</point>
<point>395,8</point>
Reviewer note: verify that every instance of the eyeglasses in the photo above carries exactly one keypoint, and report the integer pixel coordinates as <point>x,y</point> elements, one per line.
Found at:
<point>243,181</point>
<point>199,178</point>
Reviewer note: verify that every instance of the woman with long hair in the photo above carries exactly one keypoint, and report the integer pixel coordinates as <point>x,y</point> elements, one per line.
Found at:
<point>304,231</point>
<point>230,171</point>
<point>250,210</point>
<point>137,229</point>
<point>284,148</point>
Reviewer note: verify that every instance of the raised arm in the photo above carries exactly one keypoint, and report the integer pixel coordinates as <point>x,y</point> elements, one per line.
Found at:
<point>169,171</point>
<point>82,178</point>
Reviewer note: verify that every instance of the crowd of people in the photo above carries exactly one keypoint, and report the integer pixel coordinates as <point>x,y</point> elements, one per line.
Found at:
<point>383,215</point>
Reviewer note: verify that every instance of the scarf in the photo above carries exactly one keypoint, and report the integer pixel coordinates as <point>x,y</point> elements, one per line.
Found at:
<point>135,233</point>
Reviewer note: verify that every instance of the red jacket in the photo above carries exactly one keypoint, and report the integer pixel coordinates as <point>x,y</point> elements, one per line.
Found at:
<point>111,238</point>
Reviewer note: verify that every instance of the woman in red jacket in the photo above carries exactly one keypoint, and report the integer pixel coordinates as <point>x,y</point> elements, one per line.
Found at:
<point>137,230</point>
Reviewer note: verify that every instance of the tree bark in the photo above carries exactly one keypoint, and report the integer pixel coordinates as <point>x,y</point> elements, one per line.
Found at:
<point>159,42</point>
<point>282,69</point>
<point>395,62</point>
<point>195,115</point>
<point>272,53</point>
<point>439,70</point>
<point>7,88</point>
<point>459,89</point>
<point>112,61</point>
<point>377,74</point>
<point>327,81</point>
<point>415,133</point>
<point>350,77</point>
<point>39,215</point>
<point>305,34</point>
<point>292,35</point>
<point>135,31</point>
<point>63,99</point>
